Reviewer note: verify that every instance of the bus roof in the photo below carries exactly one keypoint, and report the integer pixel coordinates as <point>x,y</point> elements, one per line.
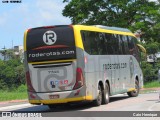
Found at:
<point>101,28</point>
<point>113,28</point>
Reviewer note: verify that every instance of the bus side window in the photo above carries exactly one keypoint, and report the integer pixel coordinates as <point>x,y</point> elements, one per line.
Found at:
<point>119,45</point>
<point>131,46</point>
<point>116,44</point>
<point>136,51</point>
<point>86,42</point>
<point>125,44</point>
<point>109,44</point>
<point>93,43</point>
<point>122,44</point>
<point>102,45</point>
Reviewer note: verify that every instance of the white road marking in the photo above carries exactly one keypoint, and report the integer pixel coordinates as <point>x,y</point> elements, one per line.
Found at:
<point>120,95</point>
<point>15,107</point>
<point>150,108</point>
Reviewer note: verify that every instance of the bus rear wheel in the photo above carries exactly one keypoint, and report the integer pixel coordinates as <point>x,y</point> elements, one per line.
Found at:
<point>98,100</point>
<point>105,95</point>
<point>135,92</point>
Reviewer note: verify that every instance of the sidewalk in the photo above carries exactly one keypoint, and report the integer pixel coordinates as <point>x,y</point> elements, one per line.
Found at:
<point>12,101</point>
<point>156,89</point>
<point>149,90</point>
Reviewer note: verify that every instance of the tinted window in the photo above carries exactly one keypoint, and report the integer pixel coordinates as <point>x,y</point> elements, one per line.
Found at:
<point>93,42</point>
<point>125,42</point>
<point>96,43</point>
<point>122,44</point>
<point>130,45</point>
<point>102,43</point>
<point>50,44</point>
<point>110,40</point>
<point>117,44</point>
<point>133,50</point>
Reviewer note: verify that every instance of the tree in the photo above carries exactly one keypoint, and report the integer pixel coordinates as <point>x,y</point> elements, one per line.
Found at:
<point>19,71</point>
<point>2,82</point>
<point>12,74</point>
<point>152,48</point>
<point>133,14</point>
<point>148,71</point>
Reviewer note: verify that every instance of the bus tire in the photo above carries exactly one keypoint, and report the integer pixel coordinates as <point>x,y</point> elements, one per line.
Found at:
<point>105,95</point>
<point>135,92</point>
<point>98,100</point>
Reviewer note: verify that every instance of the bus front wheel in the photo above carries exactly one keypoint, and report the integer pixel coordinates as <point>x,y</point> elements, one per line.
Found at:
<point>135,92</point>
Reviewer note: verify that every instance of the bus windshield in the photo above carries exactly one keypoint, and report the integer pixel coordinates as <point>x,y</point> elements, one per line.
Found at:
<point>50,43</point>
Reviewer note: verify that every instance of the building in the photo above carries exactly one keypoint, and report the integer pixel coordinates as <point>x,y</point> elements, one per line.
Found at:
<point>19,52</point>
<point>18,49</point>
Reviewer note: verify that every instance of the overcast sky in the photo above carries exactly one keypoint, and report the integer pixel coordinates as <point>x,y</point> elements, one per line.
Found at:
<point>15,18</point>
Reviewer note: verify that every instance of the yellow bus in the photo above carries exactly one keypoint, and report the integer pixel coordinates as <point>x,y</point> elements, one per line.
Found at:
<point>76,63</point>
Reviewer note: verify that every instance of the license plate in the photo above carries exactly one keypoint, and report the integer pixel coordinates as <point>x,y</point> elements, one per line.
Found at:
<point>53,96</point>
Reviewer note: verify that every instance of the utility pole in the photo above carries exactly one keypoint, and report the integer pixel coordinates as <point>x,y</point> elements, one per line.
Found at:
<point>12,43</point>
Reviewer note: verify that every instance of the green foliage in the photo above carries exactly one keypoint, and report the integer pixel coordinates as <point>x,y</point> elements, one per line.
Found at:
<point>18,94</point>
<point>142,15</point>
<point>152,48</point>
<point>3,85</point>
<point>22,88</point>
<point>11,75</point>
<point>153,84</point>
<point>148,71</point>
<point>19,72</point>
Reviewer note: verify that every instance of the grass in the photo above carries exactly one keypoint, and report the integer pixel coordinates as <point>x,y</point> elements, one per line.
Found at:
<point>6,96</point>
<point>19,94</point>
<point>152,84</point>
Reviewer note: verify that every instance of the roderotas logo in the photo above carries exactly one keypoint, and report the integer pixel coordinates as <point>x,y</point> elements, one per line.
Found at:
<point>49,37</point>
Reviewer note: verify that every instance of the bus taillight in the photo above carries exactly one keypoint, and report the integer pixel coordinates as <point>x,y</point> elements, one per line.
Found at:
<point>85,60</point>
<point>79,79</point>
<point>29,84</point>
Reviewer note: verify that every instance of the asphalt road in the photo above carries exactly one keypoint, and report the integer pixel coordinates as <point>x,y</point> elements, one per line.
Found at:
<point>144,102</point>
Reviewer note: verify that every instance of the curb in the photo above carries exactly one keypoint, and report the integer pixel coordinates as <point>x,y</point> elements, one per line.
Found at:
<point>12,101</point>
<point>155,89</point>
<point>145,92</point>
<point>149,90</point>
